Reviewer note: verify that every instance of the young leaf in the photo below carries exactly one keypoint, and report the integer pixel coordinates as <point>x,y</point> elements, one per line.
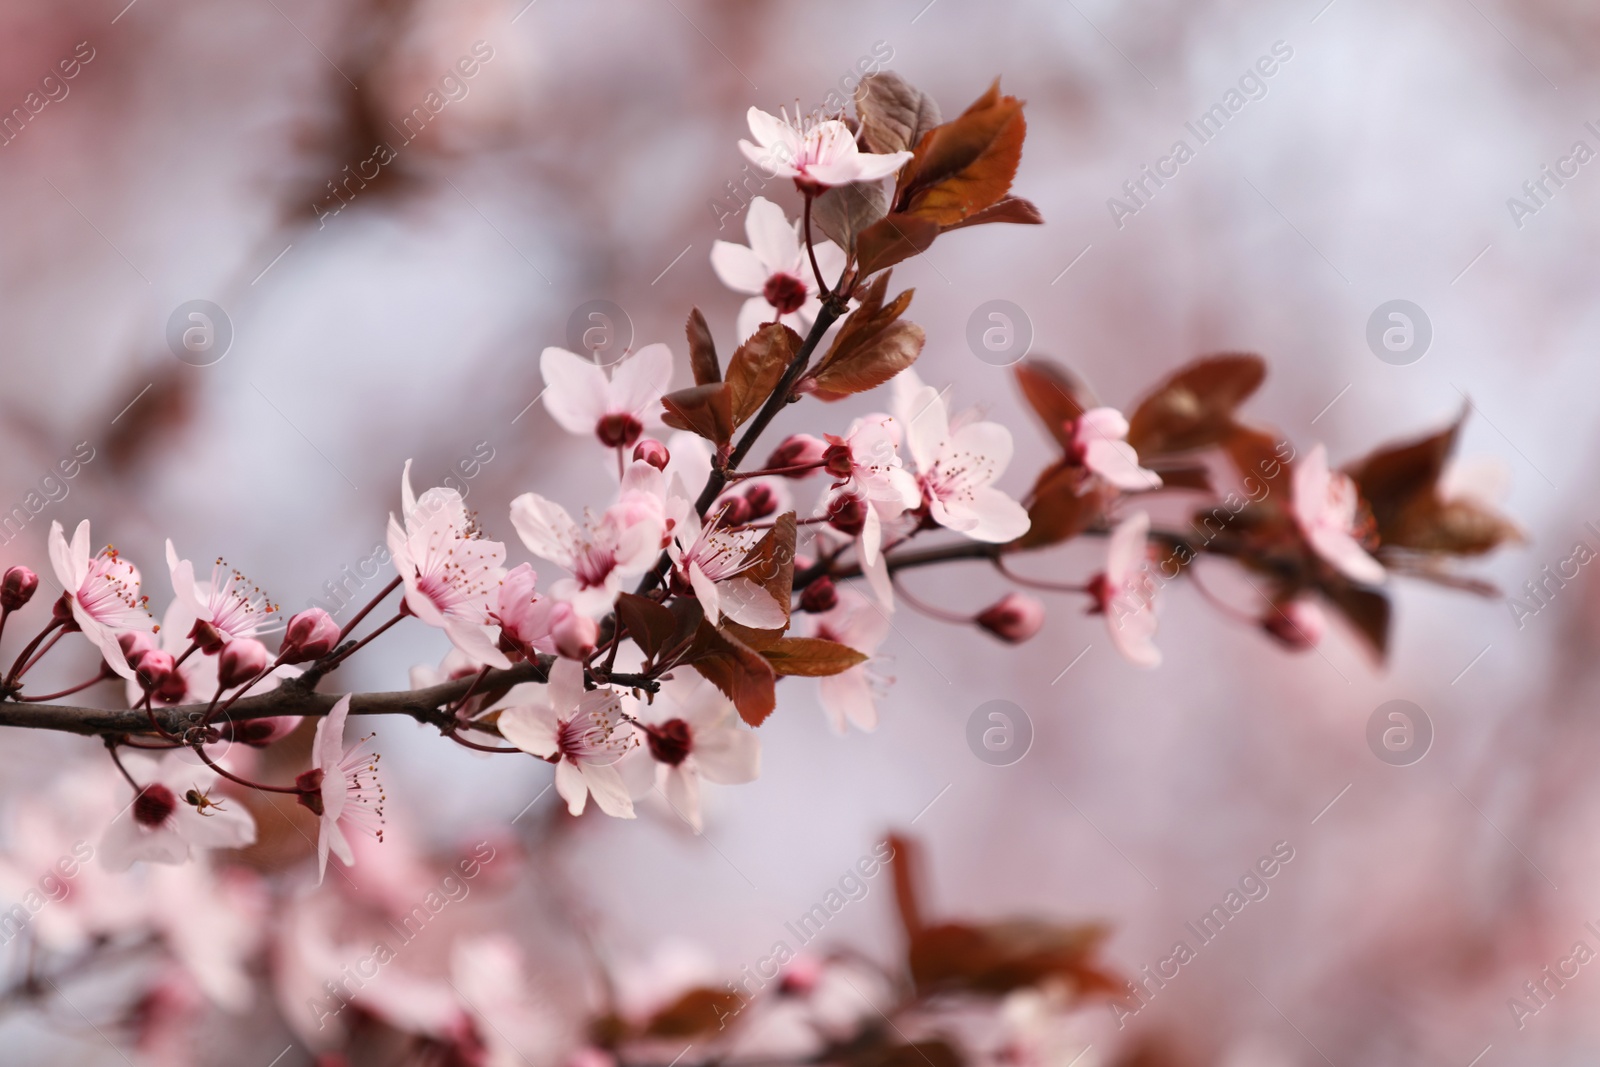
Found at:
<point>650,624</point>
<point>810,657</point>
<point>741,673</point>
<point>756,368</point>
<point>894,238</point>
<point>706,410</point>
<point>1061,507</point>
<point>967,165</point>
<point>1056,395</point>
<point>702,350</point>
<point>845,210</point>
<point>894,114</point>
<point>872,346</point>
<point>1006,209</point>
<point>1194,408</point>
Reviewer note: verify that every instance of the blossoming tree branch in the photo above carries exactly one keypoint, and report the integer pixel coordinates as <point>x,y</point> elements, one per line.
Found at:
<point>667,623</point>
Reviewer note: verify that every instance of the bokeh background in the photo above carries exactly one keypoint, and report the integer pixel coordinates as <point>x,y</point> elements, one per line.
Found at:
<point>586,162</point>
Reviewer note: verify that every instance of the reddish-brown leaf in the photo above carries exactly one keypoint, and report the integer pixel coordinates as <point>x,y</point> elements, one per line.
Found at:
<point>966,165</point>
<point>894,114</point>
<point>1056,395</point>
<point>1194,408</point>
<point>893,238</point>
<point>1065,503</point>
<point>651,625</point>
<point>998,958</point>
<point>1367,610</point>
<point>872,346</point>
<point>741,673</point>
<point>698,1011</point>
<point>706,410</point>
<point>1007,209</point>
<point>770,564</point>
<point>811,657</point>
<point>756,368</point>
<point>702,350</point>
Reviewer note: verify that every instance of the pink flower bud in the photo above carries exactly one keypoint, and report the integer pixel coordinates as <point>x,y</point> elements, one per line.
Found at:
<point>847,514</point>
<point>837,459</point>
<point>154,667</point>
<point>762,500</point>
<point>208,637</point>
<point>819,596</point>
<point>310,635</point>
<point>259,733</point>
<point>61,611</point>
<point>799,450</point>
<point>16,587</point>
<point>525,618</point>
<point>1014,618</point>
<point>241,660</point>
<point>1297,625</point>
<point>652,452</point>
<point>575,635</point>
<point>136,643</point>
<point>733,511</point>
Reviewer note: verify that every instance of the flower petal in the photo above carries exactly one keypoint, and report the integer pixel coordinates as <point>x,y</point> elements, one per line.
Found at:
<point>575,390</point>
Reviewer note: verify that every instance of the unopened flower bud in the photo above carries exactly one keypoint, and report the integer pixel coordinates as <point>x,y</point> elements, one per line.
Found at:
<point>762,500</point>
<point>847,514</point>
<point>61,611</point>
<point>241,660</point>
<point>575,635</point>
<point>652,452</point>
<point>154,805</point>
<point>734,511</point>
<point>819,596</point>
<point>259,733</point>
<point>799,450</point>
<point>208,637</point>
<point>836,460</point>
<point>1297,625</point>
<point>16,587</point>
<point>153,667</point>
<point>135,643</point>
<point>311,634</point>
<point>1014,618</point>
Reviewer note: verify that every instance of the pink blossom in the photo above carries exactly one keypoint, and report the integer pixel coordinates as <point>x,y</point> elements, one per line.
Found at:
<point>451,572</point>
<point>601,552</point>
<point>714,562</point>
<point>697,734</point>
<point>847,697</point>
<point>583,732</point>
<point>1125,592</point>
<point>775,269</point>
<point>815,154</point>
<point>957,462</point>
<point>196,676</point>
<point>103,592</point>
<point>341,789</point>
<point>1325,503</point>
<point>1100,443</point>
<point>583,400</point>
<point>161,826</point>
<point>233,606</point>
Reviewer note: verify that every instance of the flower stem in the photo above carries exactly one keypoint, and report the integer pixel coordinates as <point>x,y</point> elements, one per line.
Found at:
<point>199,750</point>
<point>823,290</point>
<point>105,673</point>
<point>22,663</point>
<point>364,612</point>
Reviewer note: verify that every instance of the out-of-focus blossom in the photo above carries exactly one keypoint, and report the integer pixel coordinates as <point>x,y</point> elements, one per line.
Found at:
<point>775,270</point>
<point>1325,503</point>
<point>103,592</point>
<point>1100,443</point>
<point>847,697</point>
<point>451,573</point>
<point>616,409</point>
<point>341,789</point>
<point>1298,625</point>
<point>697,734</point>
<point>1125,592</point>
<point>601,552</point>
<point>164,824</point>
<point>815,154</point>
<point>583,732</point>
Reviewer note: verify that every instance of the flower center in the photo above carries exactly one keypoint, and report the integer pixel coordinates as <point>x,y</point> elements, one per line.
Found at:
<point>154,805</point>
<point>671,742</point>
<point>618,430</point>
<point>785,292</point>
<point>596,736</point>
